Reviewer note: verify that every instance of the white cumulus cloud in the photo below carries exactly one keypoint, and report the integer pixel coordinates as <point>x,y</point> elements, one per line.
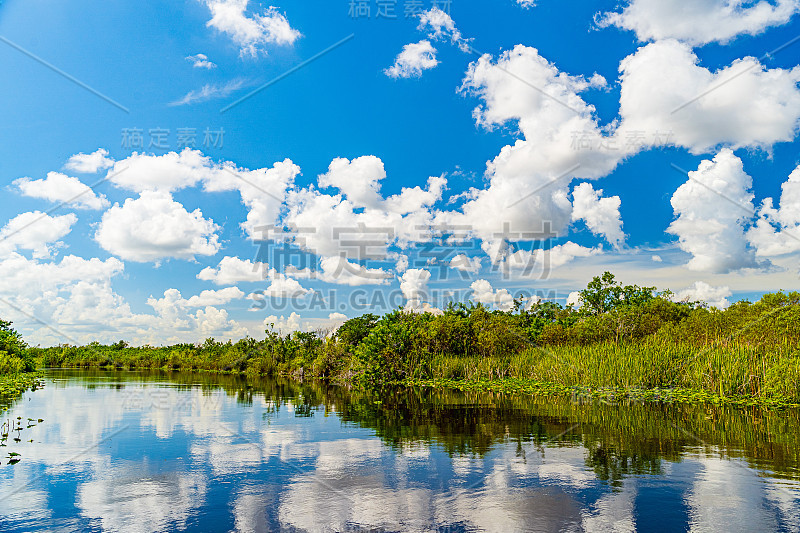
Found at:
<point>343,272</point>
<point>529,180</point>
<point>175,311</point>
<point>220,297</point>
<point>285,325</point>
<point>777,230</point>
<point>698,22</point>
<point>201,61</point>
<point>440,25</point>
<point>465,263</point>
<point>701,291</point>
<point>664,90</point>
<point>173,300</point>
<point>713,207</point>
<point>414,286</point>
<point>284,287</point>
<point>574,299</point>
<point>232,270</point>
<point>412,60</point>
<point>600,214</point>
<point>263,190</point>
<point>482,292</point>
<point>57,187</point>
<point>359,179</point>
<point>167,172</point>
<point>155,227</point>
<point>75,296</point>
<point>65,294</point>
<point>540,261</point>
<point>89,163</point>
<point>358,222</point>
<point>35,231</point>
<point>251,33</point>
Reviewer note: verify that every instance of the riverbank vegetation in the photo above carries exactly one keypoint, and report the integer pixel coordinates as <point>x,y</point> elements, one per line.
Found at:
<point>621,340</point>
<point>17,365</point>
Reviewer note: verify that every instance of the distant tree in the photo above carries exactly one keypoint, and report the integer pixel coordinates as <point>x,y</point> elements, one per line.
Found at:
<point>604,294</point>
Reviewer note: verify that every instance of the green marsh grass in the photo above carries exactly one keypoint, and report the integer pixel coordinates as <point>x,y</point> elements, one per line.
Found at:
<point>624,340</point>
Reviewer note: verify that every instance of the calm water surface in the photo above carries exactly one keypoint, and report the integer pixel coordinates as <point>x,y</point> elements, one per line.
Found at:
<point>131,452</point>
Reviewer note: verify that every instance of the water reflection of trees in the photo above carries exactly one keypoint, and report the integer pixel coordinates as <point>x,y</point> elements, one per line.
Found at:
<point>620,440</point>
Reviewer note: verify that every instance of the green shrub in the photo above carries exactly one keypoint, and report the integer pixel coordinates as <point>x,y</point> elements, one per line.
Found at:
<point>391,351</point>
<point>352,332</point>
<point>14,354</point>
<point>496,333</point>
<point>11,364</point>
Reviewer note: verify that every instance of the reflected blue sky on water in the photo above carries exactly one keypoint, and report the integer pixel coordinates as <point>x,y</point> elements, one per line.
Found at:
<point>155,456</point>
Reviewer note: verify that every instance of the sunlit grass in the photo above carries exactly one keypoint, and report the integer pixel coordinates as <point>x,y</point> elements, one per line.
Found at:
<point>624,338</point>
<point>724,371</point>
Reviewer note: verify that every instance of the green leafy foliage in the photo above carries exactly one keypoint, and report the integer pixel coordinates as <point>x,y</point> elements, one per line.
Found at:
<point>391,351</point>
<point>621,336</point>
<point>604,294</point>
<point>16,366</point>
<point>14,355</point>
<point>352,332</point>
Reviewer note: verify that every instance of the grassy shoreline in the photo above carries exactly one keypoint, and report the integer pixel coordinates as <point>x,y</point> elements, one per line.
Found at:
<point>624,341</point>
<point>646,370</point>
<point>607,395</point>
<point>578,393</point>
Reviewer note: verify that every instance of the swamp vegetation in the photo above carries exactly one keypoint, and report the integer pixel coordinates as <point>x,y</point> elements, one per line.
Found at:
<point>16,366</point>
<point>624,341</point>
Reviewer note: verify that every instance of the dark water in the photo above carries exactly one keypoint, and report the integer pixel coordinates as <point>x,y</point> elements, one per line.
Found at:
<point>134,452</point>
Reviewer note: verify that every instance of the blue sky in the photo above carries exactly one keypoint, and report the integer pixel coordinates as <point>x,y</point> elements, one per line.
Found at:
<point>505,118</point>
